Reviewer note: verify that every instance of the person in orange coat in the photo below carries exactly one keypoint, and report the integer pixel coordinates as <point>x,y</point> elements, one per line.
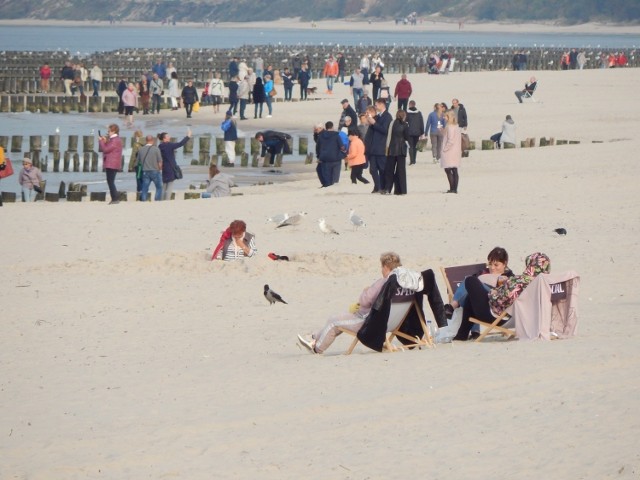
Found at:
<point>355,157</point>
<point>330,72</point>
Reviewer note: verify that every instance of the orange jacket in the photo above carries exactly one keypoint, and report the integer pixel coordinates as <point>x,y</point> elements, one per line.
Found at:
<point>330,69</point>
<point>355,156</point>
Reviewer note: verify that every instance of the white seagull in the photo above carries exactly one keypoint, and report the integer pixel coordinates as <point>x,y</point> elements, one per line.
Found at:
<point>356,220</point>
<point>279,218</point>
<point>325,228</point>
<point>292,220</point>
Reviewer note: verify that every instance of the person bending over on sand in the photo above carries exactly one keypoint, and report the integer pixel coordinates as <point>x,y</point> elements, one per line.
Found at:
<point>528,89</point>
<point>273,142</point>
<point>219,183</point>
<point>352,320</point>
<point>235,243</point>
<point>486,306</point>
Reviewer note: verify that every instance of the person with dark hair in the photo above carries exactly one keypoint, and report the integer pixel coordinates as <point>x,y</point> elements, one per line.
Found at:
<point>303,81</point>
<point>259,97</point>
<point>273,142</point>
<point>416,130</point>
<point>329,150</point>
<point>497,264</point>
<point>111,147</point>
<point>396,166</point>
<point>233,95</point>
<point>377,146</point>
<point>169,164</point>
<point>488,306</point>
<point>235,243</point>
<point>189,97</point>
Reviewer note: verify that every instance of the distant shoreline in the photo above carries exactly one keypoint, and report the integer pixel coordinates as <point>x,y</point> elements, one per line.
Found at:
<point>343,25</point>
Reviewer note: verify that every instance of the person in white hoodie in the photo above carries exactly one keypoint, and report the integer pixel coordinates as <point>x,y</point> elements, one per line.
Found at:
<point>507,134</point>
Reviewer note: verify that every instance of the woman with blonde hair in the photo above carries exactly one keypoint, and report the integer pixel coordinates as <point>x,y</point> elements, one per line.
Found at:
<point>451,150</point>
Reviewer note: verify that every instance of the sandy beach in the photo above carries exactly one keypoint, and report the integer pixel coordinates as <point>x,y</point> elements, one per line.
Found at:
<point>126,353</point>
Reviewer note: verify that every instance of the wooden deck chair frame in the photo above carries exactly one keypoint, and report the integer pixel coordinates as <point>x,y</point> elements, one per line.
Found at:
<point>454,276</point>
<point>530,95</point>
<point>507,329</point>
<point>397,315</point>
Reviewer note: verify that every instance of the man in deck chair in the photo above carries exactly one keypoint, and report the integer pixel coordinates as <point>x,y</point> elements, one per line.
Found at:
<point>353,320</point>
<point>373,332</point>
<point>527,91</point>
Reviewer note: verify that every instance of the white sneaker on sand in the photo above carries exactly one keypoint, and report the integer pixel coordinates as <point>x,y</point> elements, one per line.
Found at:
<point>268,116</point>
<point>306,342</point>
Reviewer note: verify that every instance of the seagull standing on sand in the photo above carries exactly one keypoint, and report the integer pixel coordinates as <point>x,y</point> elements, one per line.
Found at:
<point>279,218</point>
<point>356,220</point>
<point>292,220</point>
<point>326,228</point>
<point>271,296</point>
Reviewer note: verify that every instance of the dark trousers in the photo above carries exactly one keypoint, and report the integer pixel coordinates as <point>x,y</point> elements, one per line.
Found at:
<point>257,107</point>
<point>243,107</point>
<point>377,165</point>
<point>155,103</point>
<point>496,138</point>
<point>189,108</point>
<point>233,106</point>
<point>329,172</point>
<point>395,175</point>
<point>356,174</point>
<point>413,148</point>
<point>403,103</point>
<point>452,176</point>
<point>111,182</point>
<point>476,306</point>
<point>288,91</point>
<point>303,92</point>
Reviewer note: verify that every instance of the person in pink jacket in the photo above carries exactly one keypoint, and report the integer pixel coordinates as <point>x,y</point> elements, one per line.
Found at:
<point>130,101</point>
<point>111,147</point>
<point>451,150</point>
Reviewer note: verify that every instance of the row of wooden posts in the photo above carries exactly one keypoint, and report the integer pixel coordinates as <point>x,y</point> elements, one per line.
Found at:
<point>66,104</point>
<point>71,159</point>
<point>19,71</point>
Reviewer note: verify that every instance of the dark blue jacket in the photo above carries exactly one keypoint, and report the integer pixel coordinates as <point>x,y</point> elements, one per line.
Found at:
<point>169,158</point>
<point>330,146</point>
<point>230,130</point>
<point>380,132</point>
<point>303,78</point>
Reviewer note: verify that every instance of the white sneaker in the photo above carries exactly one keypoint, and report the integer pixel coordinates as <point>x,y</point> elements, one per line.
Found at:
<point>268,116</point>
<point>307,343</point>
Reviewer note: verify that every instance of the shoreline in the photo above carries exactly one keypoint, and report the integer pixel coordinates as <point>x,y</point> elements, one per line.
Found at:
<point>357,25</point>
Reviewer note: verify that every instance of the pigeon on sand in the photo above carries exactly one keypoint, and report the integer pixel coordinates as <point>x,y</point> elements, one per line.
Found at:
<point>326,228</point>
<point>271,296</point>
<point>292,220</point>
<point>356,220</point>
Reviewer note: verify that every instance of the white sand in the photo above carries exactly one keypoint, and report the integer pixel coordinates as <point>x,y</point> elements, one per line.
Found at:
<point>125,353</point>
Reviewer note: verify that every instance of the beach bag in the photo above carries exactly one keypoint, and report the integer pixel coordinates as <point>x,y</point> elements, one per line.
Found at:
<point>177,171</point>
<point>272,92</point>
<point>466,143</point>
<point>36,188</point>
<point>6,169</point>
<point>196,107</point>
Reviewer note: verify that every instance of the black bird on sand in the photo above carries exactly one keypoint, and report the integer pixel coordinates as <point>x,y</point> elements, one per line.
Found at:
<point>271,296</point>
<point>560,231</point>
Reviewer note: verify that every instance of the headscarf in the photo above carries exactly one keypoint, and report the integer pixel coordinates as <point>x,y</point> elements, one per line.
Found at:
<point>502,297</point>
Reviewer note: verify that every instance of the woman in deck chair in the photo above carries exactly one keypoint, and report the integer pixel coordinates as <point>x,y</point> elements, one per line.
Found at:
<point>488,306</point>
<point>353,320</point>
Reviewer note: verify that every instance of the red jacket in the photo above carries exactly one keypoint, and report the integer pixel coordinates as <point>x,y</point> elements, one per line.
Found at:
<point>403,89</point>
<point>330,69</point>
